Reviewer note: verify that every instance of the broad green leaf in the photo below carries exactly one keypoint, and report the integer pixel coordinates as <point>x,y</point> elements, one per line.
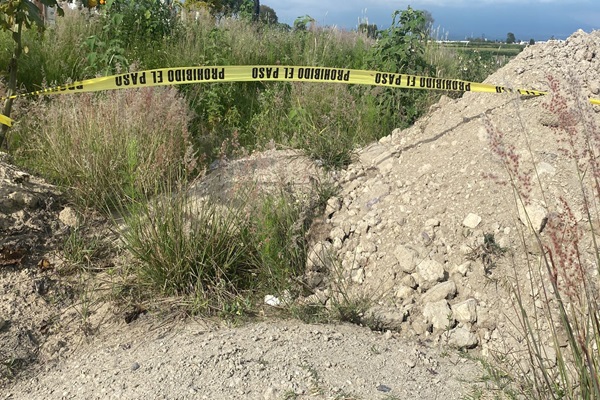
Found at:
<point>33,14</point>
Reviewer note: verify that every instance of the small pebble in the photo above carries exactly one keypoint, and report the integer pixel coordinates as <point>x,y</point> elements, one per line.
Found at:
<point>135,366</point>
<point>384,388</point>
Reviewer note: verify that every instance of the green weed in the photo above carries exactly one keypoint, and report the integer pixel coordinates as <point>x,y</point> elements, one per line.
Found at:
<point>221,256</point>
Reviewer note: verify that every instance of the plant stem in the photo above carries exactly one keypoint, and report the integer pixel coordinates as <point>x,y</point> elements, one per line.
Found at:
<point>12,81</point>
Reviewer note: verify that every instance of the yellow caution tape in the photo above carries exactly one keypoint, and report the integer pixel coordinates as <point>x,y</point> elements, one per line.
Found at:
<point>5,120</point>
<point>244,73</point>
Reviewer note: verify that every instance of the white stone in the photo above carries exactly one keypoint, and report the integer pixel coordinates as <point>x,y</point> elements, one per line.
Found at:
<point>271,300</point>
<point>367,247</point>
<point>441,291</point>
<point>472,221</point>
<point>534,212</point>
<point>439,315</point>
<point>466,311</point>
<point>407,258</point>
<point>337,243</point>
<point>358,275</point>
<point>462,269</point>
<point>462,338</point>
<point>432,222</point>
<point>333,205</point>
<point>69,217</point>
<point>404,292</point>
<point>420,327</point>
<point>337,233</point>
<point>431,271</point>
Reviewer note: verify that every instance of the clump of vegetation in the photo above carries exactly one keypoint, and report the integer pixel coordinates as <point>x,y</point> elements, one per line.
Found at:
<point>109,148</point>
<point>401,48</point>
<point>84,45</point>
<point>218,256</point>
<point>16,17</point>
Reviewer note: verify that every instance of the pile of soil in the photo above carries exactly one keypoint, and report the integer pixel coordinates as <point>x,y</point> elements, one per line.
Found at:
<point>426,224</point>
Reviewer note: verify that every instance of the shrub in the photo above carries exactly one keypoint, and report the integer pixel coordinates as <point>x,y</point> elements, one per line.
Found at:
<point>401,48</point>
<point>144,20</point>
<point>300,115</point>
<point>217,255</point>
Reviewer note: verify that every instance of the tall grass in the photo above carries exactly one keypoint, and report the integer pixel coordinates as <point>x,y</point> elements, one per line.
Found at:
<point>219,256</point>
<point>341,114</point>
<point>54,57</point>
<point>191,248</point>
<point>108,148</point>
<point>232,41</point>
<point>567,271</point>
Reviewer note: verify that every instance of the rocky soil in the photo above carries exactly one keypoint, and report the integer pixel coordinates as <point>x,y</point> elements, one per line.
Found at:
<point>410,229</point>
<point>411,222</point>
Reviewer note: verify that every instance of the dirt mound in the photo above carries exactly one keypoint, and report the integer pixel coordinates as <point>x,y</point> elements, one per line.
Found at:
<point>43,314</point>
<point>421,221</point>
<point>29,231</point>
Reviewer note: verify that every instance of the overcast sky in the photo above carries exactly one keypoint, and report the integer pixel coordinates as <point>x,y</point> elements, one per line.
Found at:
<point>537,19</point>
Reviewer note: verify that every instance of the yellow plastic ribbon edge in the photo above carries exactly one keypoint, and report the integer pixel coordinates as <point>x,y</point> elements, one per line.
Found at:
<point>5,120</point>
<point>282,73</point>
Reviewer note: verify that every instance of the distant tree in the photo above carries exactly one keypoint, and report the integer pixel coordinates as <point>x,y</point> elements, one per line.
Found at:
<point>284,27</point>
<point>216,7</point>
<point>531,41</point>
<point>248,10</point>
<point>228,6</point>
<point>199,5</point>
<point>510,38</point>
<point>267,15</point>
<point>369,29</point>
<point>476,39</point>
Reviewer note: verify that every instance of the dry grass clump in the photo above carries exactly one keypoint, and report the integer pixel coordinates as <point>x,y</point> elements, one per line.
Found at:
<point>566,270</point>
<point>218,257</point>
<point>108,148</point>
